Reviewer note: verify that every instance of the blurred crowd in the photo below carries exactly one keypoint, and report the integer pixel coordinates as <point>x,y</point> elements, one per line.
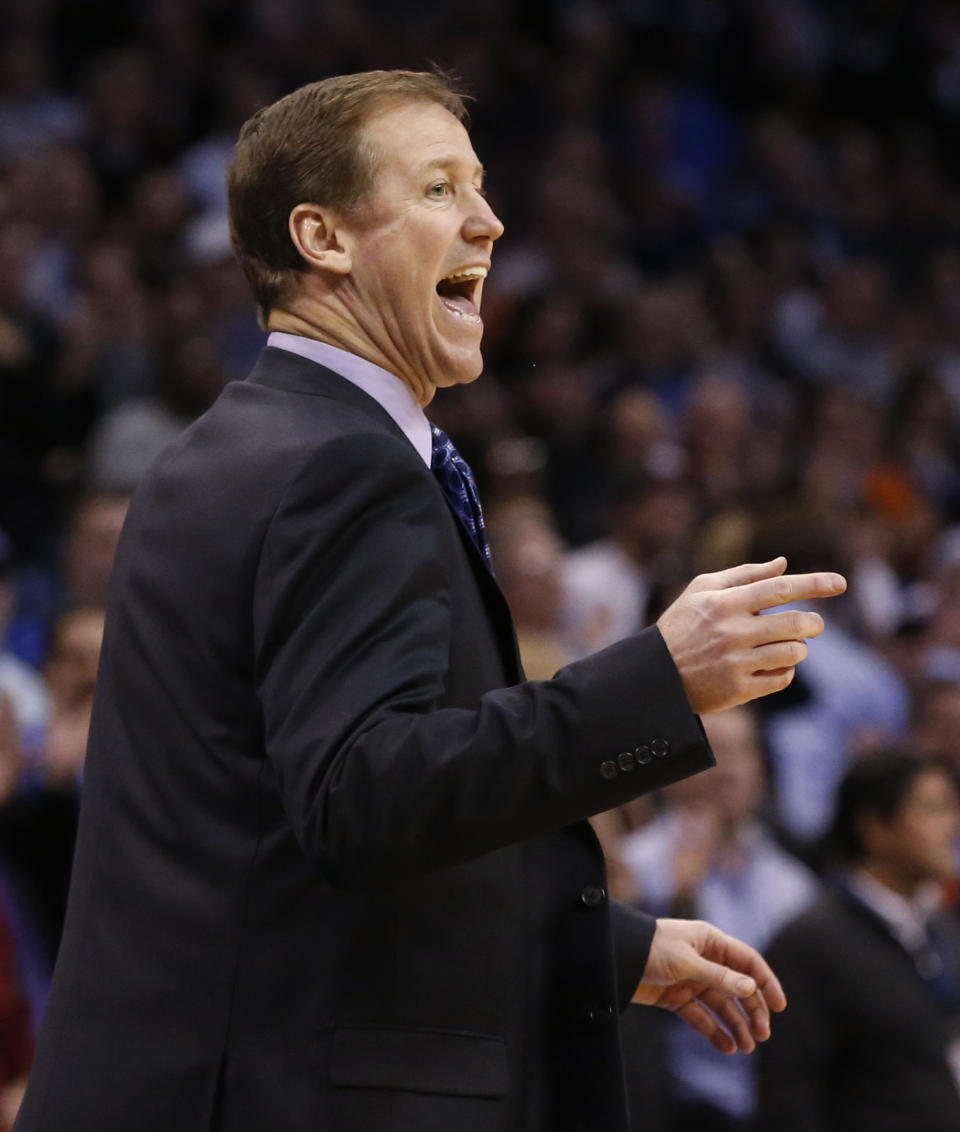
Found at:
<point>723,324</point>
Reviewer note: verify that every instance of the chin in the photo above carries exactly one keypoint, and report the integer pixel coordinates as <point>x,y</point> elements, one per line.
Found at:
<point>461,370</point>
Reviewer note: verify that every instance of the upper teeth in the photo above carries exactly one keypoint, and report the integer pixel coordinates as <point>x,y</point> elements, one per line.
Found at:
<point>468,273</point>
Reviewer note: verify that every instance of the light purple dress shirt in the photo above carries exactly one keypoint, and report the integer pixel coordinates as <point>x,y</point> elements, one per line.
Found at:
<point>390,392</point>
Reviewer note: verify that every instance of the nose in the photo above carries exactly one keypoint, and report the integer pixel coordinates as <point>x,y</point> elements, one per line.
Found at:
<point>482,223</point>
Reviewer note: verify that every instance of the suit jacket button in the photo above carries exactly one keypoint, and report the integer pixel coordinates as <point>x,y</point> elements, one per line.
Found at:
<point>609,769</point>
<point>625,761</point>
<point>660,748</point>
<point>643,755</point>
<point>600,1014</point>
<point>593,895</point>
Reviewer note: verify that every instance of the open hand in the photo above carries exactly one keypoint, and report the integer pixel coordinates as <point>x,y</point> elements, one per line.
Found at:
<point>718,985</point>
<point>725,652</point>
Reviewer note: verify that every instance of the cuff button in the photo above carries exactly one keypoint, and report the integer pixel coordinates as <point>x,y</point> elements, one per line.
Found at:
<point>660,748</point>
<point>625,761</point>
<point>609,769</point>
<point>643,755</point>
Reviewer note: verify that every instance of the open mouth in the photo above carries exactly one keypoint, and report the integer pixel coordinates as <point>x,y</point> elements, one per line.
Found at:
<point>460,292</point>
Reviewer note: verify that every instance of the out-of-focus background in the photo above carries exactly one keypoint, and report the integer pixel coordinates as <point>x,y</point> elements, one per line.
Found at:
<point>723,324</point>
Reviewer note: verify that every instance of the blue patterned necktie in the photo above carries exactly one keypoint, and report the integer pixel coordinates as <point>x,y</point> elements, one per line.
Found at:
<point>460,488</point>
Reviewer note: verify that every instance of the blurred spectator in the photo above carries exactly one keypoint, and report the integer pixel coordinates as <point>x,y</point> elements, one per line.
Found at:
<point>107,328</point>
<point>718,428</point>
<point>33,113</point>
<point>840,337</point>
<point>880,1050</point>
<point>664,336</point>
<point>709,856</point>
<point>23,696</point>
<point>38,819</point>
<point>847,698</point>
<point>31,422</point>
<point>188,373</point>
<point>129,118</point>
<point>936,722</point>
<point>91,545</point>
<point>614,585</point>
<point>71,675</point>
<point>55,191</point>
<point>241,88</point>
<point>528,558</point>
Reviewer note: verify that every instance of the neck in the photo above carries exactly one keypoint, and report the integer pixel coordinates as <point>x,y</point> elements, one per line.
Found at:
<point>330,323</point>
<point>891,877</point>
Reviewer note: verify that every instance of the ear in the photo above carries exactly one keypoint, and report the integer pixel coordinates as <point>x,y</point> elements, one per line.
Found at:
<point>319,238</point>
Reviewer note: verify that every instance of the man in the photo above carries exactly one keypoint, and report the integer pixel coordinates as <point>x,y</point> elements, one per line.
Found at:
<point>880,1050</point>
<point>326,875</point>
<point>709,854</point>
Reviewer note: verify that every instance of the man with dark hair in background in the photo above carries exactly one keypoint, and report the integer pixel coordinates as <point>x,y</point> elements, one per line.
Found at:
<point>332,870</point>
<point>872,1039</point>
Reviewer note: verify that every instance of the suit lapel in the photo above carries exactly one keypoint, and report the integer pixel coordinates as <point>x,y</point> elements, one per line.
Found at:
<point>291,373</point>
<point>495,601</point>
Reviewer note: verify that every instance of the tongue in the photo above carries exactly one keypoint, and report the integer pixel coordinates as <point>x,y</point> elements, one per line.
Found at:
<point>457,297</point>
<point>459,303</point>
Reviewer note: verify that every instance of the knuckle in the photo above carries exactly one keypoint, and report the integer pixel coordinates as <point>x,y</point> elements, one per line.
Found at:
<point>701,583</point>
<point>726,634</point>
<point>710,603</point>
<point>783,589</point>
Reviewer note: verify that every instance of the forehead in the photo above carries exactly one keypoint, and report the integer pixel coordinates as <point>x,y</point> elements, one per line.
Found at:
<point>413,138</point>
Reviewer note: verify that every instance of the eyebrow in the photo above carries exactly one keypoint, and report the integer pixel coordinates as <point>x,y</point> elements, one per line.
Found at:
<point>448,164</point>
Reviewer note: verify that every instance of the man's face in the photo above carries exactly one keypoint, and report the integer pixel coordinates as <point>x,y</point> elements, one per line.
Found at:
<point>918,840</point>
<point>421,247</point>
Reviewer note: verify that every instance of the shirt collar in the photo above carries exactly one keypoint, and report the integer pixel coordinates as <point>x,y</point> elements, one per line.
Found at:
<point>388,390</point>
<point>906,919</point>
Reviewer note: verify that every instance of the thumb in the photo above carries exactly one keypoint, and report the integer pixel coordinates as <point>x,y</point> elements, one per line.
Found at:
<point>722,978</point>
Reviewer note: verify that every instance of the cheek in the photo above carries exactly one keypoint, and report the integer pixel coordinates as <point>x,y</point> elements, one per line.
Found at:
<point>931,841</point>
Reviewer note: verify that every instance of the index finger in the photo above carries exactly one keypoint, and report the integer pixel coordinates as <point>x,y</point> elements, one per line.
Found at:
<point>769,592</point>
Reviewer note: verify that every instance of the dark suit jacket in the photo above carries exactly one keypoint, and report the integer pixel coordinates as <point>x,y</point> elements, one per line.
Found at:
<point>332,871</point>
<point>861,1045</point>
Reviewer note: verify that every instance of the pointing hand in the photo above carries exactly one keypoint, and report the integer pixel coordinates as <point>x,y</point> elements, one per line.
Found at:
<point>725,652</point>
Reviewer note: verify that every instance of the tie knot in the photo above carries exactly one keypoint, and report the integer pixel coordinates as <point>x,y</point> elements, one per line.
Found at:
<point>444,451</point>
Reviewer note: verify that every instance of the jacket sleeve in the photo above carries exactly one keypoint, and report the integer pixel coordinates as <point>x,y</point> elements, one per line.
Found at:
<point>352,624</point>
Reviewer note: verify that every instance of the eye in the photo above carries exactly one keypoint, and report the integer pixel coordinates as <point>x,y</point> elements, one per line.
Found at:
<point>439,190</point>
